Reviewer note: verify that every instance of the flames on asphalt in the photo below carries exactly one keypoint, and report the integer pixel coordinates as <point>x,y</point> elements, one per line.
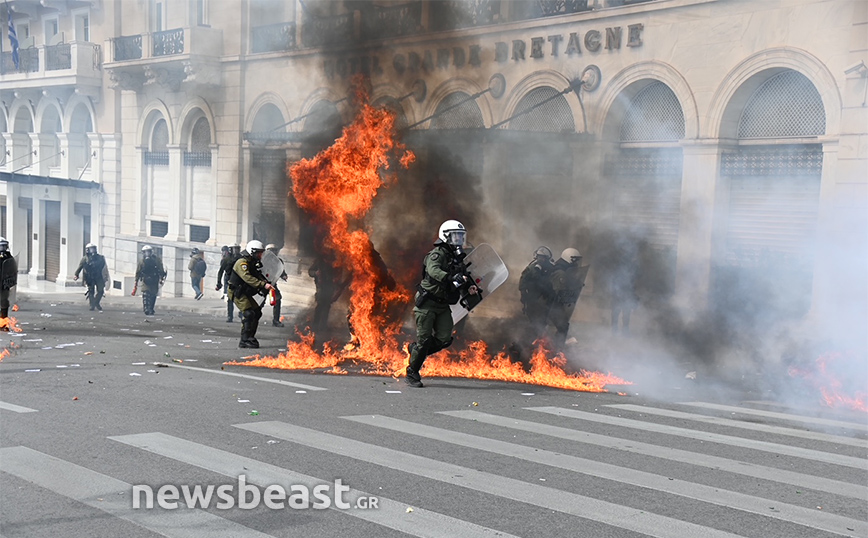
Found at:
<point>337,188</point>
<point>9,324</point>
<point>832,377</point>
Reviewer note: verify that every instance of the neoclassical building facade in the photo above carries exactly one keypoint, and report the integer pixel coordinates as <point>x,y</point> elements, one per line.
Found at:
<point>722,141</point>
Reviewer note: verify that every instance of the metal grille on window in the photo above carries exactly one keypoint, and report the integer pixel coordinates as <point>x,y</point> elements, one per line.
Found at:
<point>200,145</point>
<point>199,234</point>
<point>555,116</point>
<point>655,115</point>
<point>159,154</point>
<point>786,105</point>
<point>159,228</point>
<point>452,115</point>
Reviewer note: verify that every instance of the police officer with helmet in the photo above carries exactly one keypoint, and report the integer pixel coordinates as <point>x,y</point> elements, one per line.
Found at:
<point>95,275</point>
<point>231,255</point>
<point>444,277</point>
<point>152,274</point>
<point>245,284</point>
<point>568,279</point>
<point>536,291</point>
<point>8,280</point>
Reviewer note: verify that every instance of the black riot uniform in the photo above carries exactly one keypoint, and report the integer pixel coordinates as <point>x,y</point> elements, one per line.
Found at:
<point>536,290</point>
<point>8,280</point>
<point>95,275</point>
<point>227,262</point>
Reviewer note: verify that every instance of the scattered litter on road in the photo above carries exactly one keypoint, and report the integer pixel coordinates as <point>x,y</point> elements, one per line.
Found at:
<point>153,372</point>
<point>152,345</point>
<point>49,347</point>
<point>44,315</point>
<point>254,412</point>
<point>272,441</point>
<point>147,342</point>
<point>137,363</point>
<point>75,397</point>
<point>33,340</point>
<point>88,352</point>
<point>527,393</point>
<point>167,337</point>
<point>301,392</point>
<point>409,509</point>
<point>177,360</point>
<point>542,479</point>
<point>134,374</point>
<point>690,375</point>
<point>207,341</point>
<point>33,370</point>
<point>475,404</point>
<point>192,360</point>
<point>243,401</point>
<point>393,392</point>
<point>61,366</point>
<point>158,331</point>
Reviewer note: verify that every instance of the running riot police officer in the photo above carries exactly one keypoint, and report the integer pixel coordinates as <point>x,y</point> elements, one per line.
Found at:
<point>444,277</point>
<point>231,255</point>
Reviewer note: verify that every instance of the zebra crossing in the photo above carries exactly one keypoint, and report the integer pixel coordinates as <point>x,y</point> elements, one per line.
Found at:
<point>834,468</point>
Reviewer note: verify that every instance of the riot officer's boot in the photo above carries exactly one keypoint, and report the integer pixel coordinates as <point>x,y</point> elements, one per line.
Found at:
<point>417,357</point>
<point>4,314</point>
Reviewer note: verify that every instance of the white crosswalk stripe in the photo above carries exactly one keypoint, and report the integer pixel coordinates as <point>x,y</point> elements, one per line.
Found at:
<point>389,513</point>
<point>730,499</point>
<point>561,501</point>
<point>112,496</point>
<point>767,428</point>
<point>674,454</point>
<point>16,408</point>
<point>859,426</point>
<point>774,448</point>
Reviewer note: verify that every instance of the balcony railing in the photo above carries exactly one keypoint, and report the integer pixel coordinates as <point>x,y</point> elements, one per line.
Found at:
<point>393,21</point>
<point>156,158</point>
<point>127,48</point>
<point>197,158</point>
<point>55,64</point>
<point>453,14</point>
<point>169,42</point>
<point>199,40</point>
<point>58,57</point>
<point>273,37</point>
<point>547,8</point>
<point>323,31</point>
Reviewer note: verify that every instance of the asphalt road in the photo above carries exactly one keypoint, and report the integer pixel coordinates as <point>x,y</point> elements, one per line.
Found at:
<point>85,415</point>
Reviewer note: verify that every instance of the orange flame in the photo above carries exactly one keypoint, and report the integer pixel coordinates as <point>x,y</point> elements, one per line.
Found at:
<point>9,324</point>
<point>825,379</point>
<point>15,308</point>
<point>337,188</point>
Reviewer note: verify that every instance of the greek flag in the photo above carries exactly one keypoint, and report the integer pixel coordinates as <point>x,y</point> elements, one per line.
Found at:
<point>13,37</point>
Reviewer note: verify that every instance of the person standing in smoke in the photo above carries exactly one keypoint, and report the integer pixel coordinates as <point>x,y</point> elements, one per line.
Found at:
<point>8,280</point>
<point>227,262</point>
<point>444,276</point>
<point>95,275</point>
<point>245,284</point>
<point>197,267</point>
<point>275,321</point>
<point>568,279</point>
<point>329,287</point>
<point>151,274</point>
<point>623,282</point>
<point>535,286</point>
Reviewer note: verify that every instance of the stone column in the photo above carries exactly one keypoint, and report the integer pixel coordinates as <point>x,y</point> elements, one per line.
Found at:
<point>177,194</point>
<point>699,203</point>
<point>37,264</point>
<point>70,238</point>
<point>291,213</point>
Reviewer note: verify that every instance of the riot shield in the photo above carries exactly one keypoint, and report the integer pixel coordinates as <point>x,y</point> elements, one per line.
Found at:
<point>272,267</point>
<point>488,272</point>
<point>8,273</point>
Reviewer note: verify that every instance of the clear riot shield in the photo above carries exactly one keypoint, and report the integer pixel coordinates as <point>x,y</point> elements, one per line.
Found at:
<point>272,266</point>
<point>488,272</point>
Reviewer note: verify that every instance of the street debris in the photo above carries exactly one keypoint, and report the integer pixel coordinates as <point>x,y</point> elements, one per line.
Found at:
<point>393,392</point>
<point>34,370</point>
<point>243,401</point>
<point>254,412</point>
<point>301,392</point>
<point>134,374</point>
<point>409,509</point>
<point>527,393</point>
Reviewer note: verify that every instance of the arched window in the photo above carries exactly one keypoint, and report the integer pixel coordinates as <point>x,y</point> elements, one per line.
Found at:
<point>391,104</point>
<point>554,116</point>
<point>157,179</point>
<point>51,126</point>
<point>79,143</point>
<point>160,136</point>
<point>655,115</point>
<point>199,153</point>
<point>786,105</point>
<point>457,111</point>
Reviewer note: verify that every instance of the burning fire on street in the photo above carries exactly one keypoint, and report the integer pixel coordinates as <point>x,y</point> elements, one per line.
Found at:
<point>337,189</point>
<point>827,379</point>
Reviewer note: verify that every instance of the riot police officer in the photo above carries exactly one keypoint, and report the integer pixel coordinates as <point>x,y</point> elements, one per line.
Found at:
<point>231,255</point>
<point>275,321</point>
<point>95,275</point>
<point>152,274</point>
<point>536,290</point>
<point>245,284</point>
<point>8,280</point>
<point>444,276</point>
<point>568,279</point>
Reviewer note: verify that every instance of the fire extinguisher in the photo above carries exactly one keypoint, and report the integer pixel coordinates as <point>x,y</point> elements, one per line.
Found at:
<point>272,296</point>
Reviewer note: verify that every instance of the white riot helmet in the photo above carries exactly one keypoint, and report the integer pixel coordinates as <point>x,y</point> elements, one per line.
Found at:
<point>4,244</point>
<point>90,248</point>
<point>543,252</point>
<point>270,246</point>
<point>147,251</point>
<point>254,246</point>
<point>571,255</point>
<point>453,232</point>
